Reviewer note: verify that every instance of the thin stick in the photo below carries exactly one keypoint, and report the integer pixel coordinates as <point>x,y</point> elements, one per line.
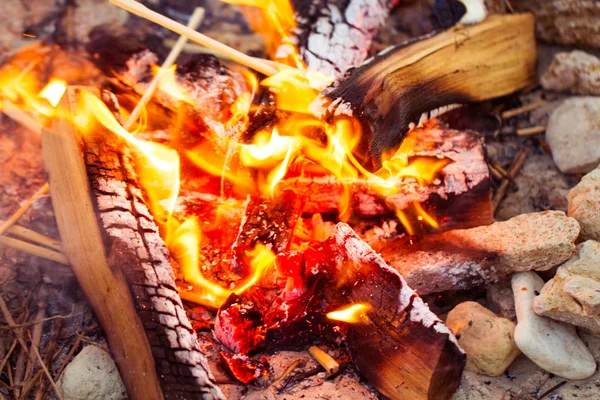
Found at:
<point>194,22</point>
<point>513,171</point>
<point>22,117</point>
<point>326,361</point>
<point>68,357</point>
<point>287,371</point>
<point>37,353</point>
<point>521,110</point>
<point>35,342</point>
<point>33,236</point>
<point>531,131</point>
<point>140,10</point>
<point>7,356</point>
<point>11,322</point>
<point>19,213</point>
<point>34,250</point>
<point>501,171</point>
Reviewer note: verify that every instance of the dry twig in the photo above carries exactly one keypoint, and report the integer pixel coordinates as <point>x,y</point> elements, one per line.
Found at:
<point>33,236</point>
<point>534,130</point>
<point>19,213</point>
<point>285,373</point>
<point>56,391</point>
<point>35,342</point>
<point>512,172</point>
<point>521,110</point>
<point>140,10</point>
<point>34,250</point>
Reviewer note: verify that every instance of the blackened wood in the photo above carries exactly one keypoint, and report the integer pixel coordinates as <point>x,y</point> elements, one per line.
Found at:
<point>334,36</point>
<point>135,249</point>
<point>403,349</point>
<point>269,222</point>
<point>464,64</point>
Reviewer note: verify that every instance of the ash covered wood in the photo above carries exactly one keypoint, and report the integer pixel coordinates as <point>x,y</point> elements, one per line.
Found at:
<point>460,198</point>
<point>403,349</point>
<point>463,259</point>
<point>464,64</point>
<point>334,36</point>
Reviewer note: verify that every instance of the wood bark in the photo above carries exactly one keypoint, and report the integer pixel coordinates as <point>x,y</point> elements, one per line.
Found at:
<point>464,64</point>
<point>403,349</point>
<point>134,255</point>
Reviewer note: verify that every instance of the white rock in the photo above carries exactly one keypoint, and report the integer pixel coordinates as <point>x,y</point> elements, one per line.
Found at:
<point>573,134</point>
<point>584,205</point>
<point>92,375</point>
<point>577,72</point>
<point>552,345</point>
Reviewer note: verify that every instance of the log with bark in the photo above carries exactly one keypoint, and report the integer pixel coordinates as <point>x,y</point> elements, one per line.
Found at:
<point>122,264</point>
<point>464,64</point>
<point>402,348</point>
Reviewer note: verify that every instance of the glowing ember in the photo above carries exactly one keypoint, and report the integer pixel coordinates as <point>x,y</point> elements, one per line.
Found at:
<point>354,314</point>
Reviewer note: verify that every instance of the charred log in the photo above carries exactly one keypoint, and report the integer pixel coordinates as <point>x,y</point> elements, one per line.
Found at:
<point>403,349</point>
<point>334,36</point>
<point>138,262</point>
<point>464,64</point>
<point>268,222</point>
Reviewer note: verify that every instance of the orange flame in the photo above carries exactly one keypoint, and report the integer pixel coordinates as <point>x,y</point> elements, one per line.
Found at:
<point>54,91</point>
<point>353,314</point>
<point>158,165</point>
<point>186,245</point>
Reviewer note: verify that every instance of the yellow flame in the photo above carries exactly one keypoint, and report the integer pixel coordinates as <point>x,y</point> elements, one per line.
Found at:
<point>186,248</point>
<point>353,314</point>
<point>158,165</point>
<point>168,85</point>
<point>54,91</point>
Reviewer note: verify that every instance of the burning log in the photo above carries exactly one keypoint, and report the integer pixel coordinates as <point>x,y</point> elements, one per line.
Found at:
<point>464,64</point>
<point>334,36</point>
<point>463,259</point>
<point>269,222</point>
<point>461,197</point>
<point>401,347</point>
<point>119,259</point>
<point>210,88</point>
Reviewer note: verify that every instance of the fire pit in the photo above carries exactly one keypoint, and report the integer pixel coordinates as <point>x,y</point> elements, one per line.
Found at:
<point>245,205</point>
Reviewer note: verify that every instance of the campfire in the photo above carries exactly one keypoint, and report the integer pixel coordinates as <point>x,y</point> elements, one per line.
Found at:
<point>243,224</point>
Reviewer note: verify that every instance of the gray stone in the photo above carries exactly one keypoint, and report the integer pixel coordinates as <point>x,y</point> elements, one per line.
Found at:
<point>577,72</point>
<point>92,375</point>
<point>573,134</point>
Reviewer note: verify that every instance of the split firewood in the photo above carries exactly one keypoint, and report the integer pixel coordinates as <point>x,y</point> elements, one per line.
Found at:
<point>459,198</point>
<point>122,264</point>
<point>463,259</point>
<point>464,64</point>
<point>402,348</point>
